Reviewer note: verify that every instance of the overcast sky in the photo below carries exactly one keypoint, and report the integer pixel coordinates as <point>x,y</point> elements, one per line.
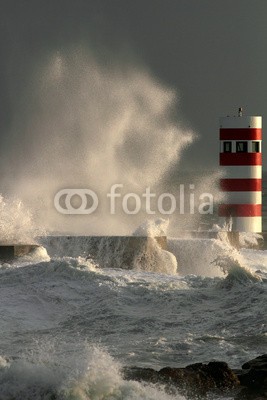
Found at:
<point>212,52</point>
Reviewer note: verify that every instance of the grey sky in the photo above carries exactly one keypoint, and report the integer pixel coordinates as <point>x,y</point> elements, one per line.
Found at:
<point>212,52</point>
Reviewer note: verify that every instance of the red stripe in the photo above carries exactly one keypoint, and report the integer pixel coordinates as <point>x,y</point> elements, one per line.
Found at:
<point>240,159</point>
<point>239,210</point>
<point>241,185</point>
<point>241,134</point>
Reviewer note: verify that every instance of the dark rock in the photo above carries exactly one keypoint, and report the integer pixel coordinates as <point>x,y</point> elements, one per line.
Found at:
<point>216,377</point>
<point>194,379</point>
<point>202,377</point>
<point>258,362</point>
<point>254,376</point>
<point>221,374</point>
<point>141,374</point>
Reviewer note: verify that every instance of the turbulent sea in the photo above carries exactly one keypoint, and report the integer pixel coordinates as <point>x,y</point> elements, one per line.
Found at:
<point>70,324</point>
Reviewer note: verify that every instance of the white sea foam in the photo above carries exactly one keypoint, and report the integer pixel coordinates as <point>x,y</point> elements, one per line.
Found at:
<point>195,256</point>
<point>95,376</point>
<point>236,272</point>
<point>17,223</point>
<point>255,259</point>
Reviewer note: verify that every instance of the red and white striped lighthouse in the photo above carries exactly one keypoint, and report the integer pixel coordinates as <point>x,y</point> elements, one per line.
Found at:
<point>241,159</point>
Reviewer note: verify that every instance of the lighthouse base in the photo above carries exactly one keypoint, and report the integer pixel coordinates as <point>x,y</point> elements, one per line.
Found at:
<point>244,224</point>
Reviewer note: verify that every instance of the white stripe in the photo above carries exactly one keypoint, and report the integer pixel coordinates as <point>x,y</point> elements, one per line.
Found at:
<point>242,198</point>
<point>242,172</point>
<point>240,122</point>
<point>246,224</point>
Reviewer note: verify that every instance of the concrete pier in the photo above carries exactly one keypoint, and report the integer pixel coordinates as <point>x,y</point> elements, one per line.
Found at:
<point>70,245</point>
<point>92,246</point>
<point>11,251</point>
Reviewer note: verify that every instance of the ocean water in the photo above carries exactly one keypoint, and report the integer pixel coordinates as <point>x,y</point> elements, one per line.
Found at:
<point>70,324</point>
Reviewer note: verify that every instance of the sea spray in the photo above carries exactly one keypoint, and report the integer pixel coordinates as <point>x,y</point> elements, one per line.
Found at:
<point>237,272</point>
<point>83,124</point>
<point>151,257</point>
<point>153,228</point>
<point>96,376</point>
<point>17,222</point>
<point>233,264</point>
<point>195,256</point>
<point>141,251</point>
<point>90,125</point>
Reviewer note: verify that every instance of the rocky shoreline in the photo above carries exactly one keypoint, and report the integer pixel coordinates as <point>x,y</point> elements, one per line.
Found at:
<point>215,378</point>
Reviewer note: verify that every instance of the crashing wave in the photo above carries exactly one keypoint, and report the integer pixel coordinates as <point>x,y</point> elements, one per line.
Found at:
<point>97,376</point>
<point>236,272</point>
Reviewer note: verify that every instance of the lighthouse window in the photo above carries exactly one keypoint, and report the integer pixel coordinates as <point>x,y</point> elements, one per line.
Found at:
<point>255,147</point>
<point>241,147</point>
<point>227,147</point>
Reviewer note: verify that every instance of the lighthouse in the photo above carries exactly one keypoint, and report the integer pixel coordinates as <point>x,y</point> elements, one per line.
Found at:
<point>241,160</point>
